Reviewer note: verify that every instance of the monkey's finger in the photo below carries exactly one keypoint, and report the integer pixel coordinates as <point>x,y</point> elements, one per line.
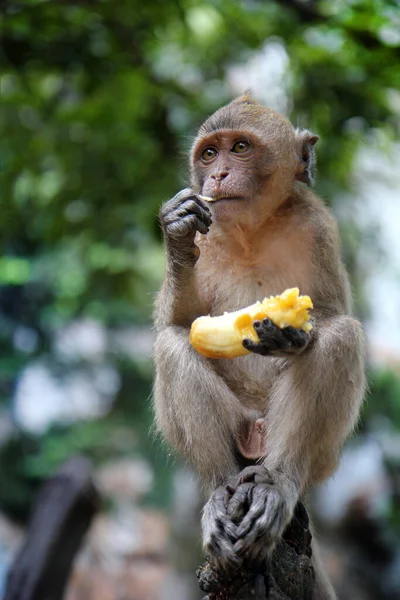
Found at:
<point>192,207</point>
<point>187,209</point>
<point>257,347</point>
<point>174,202</point>
<point>203,204</point>
<point>188,194</point>
<point>182,227</point>
<point>268,332</point>
<point>179,199</point>
<point>297,337</point>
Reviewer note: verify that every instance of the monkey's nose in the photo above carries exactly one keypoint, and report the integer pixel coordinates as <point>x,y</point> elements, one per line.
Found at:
<point>220,176</point>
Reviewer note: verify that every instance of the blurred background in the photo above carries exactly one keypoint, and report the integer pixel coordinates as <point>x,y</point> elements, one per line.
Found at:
<point>99,103</point>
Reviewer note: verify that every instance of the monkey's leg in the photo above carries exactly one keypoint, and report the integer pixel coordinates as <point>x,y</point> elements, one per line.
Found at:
<point>195,409</point>
<point>313,407</point>
<point>200,416</point>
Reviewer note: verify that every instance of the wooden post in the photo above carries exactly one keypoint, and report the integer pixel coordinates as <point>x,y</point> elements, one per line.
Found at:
<point>63,512</point>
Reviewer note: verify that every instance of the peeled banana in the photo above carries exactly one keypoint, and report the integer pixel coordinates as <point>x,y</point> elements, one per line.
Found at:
<point>221,337</point>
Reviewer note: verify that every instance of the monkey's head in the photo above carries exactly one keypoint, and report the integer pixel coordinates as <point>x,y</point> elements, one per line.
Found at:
<point>248,158</point>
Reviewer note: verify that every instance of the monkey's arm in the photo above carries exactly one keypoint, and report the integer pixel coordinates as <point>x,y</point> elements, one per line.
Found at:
<point>181,217</point>
<point>195,409</point>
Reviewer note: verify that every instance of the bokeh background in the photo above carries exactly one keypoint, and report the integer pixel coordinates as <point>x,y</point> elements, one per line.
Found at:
<point>99,103</point>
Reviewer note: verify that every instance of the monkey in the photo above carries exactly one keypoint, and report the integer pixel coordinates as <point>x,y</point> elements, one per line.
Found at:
<point>260,430</point>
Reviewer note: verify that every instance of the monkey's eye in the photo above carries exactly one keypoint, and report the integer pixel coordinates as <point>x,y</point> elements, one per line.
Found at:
<point>208,154</point>
<point>240,147</point>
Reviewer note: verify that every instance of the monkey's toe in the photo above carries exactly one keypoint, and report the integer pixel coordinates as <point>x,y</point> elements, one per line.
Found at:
<point>263,524</point>
<point>240,502</point>
<point>222,555</point>
<point>219,532</point>
<point>254,473</point>
<point>261,513</point>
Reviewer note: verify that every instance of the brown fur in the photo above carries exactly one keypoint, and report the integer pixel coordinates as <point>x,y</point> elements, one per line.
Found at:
<point>278,235</point>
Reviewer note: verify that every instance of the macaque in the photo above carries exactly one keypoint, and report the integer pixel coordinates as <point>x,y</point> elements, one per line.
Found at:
<point>261,429</point>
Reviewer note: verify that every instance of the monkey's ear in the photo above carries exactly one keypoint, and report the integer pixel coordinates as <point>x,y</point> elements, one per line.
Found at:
<point>306,142</point>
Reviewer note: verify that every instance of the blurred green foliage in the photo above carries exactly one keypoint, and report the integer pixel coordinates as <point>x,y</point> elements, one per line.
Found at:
<point>98,100</point>
<point>384,397</point>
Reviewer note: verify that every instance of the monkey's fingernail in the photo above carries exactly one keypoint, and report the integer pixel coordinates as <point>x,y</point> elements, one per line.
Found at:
<point>243,529</point>
<point>238,547</point>
<point>268,322</point>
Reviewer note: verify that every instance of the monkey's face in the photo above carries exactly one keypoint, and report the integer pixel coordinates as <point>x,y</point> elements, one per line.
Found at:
<point>241,172</point>
<point>247,157</point>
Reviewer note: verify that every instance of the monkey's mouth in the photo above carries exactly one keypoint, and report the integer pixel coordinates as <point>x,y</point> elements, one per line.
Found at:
<point>220,198</point>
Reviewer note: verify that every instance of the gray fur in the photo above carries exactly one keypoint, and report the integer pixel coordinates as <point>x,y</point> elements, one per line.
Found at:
<point>280,235</point>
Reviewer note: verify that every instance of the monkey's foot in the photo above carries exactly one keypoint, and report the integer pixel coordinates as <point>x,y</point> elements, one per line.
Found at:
<point>219,531</point>
<point>261,512</point>
<point>273,339</point>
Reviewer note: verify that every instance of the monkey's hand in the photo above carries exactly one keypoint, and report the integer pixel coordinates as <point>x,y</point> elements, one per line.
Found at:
<point>181,218</point>
<point>219,531</point>
<point>276,341</point>
<point>261,509</point>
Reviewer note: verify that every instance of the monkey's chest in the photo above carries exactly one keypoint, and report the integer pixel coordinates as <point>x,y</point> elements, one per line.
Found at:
<point>229,282</point>
<point>235,288</point>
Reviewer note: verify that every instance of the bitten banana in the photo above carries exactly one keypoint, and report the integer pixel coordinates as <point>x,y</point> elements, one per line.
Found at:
<point>222,337</point>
